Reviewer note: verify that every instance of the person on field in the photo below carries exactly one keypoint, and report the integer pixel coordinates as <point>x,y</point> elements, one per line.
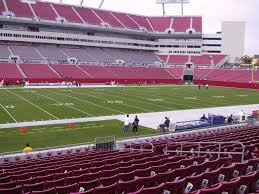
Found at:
<point>126,124</point>
<point>135,125</point>
<point>167,123</point>
<point>203,117</point>
<point>27,148</point>
<point>230,119</point>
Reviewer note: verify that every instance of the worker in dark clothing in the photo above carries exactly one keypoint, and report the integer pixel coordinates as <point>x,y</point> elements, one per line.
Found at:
<point>167,123</point>
<point>230,119</point>
<point>203,117</point>
<point>135,125</point>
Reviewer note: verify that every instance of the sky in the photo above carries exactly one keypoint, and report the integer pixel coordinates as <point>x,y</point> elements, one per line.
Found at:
<point>214,12</point>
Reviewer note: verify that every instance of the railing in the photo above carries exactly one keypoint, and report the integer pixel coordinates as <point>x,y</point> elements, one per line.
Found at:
<point>105,142</point>
<point>198,150</point>
<point>132,149</point>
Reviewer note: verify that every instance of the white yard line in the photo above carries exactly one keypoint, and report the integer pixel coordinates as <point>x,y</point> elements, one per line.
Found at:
<point>33,104</point>
<point>143,102</point>
<point>8,113</point>
<point>166,101</point>
<point>168,98</point>
<point>89,102</point>
<point>65,104</point>
<point>108,100</point>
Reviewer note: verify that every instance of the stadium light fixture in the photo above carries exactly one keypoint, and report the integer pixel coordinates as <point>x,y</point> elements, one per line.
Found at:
<point>163,2</point>
<point>81,2</point>
<point>100,6</point>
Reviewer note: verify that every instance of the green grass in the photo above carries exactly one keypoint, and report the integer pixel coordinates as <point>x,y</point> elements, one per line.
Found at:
<point>18,105</point>
<point>46,104</point>
<point>60,135</point>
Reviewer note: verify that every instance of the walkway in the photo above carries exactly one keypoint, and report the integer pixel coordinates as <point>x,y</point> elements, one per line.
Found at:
<point>151,120</point>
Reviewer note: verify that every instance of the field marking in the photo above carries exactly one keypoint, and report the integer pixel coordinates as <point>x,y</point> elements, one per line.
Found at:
<point>109,94</point>
<point>88,102</point>
<point>8,113</point>
<point>115,101</point>
<point>9,107</point>
<point>218,96</point>
<point>180,98</point>
<point>33,104</point>
<point>39,129</point>
<point>65,104</point>
<point>155,99</point>
<point>166,101</point>
<point>190,98</point>
<point>56,127</point>
<point>143,109</point>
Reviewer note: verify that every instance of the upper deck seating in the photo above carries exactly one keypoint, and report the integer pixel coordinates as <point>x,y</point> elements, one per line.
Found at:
<point>107,17</point>
<point>197,24</point>
<point>181,24</point>
<point>67,12</point>
<point>2,7</point>
<point>88,16</point>
<point>43,10</point>
<point>126,20</point>
<point>142,21</point>
<point>19,9</point>
<point>160,24</point>
<point>76,14</point>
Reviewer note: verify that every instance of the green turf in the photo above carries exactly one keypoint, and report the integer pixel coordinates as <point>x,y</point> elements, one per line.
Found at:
<point>46,104</point>
<point>60,135</point>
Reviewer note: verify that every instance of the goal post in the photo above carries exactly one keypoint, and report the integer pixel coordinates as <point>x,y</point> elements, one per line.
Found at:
<point>255,67</point>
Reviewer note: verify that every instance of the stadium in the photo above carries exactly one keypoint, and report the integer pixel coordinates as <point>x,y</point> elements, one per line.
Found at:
<point>98,101</point>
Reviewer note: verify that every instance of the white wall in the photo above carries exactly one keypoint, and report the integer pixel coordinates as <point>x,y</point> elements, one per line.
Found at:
<point>233,39</point>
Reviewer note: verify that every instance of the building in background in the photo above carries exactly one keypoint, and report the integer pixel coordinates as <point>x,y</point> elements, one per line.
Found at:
<point>212,43</point>
<point>233,39</point>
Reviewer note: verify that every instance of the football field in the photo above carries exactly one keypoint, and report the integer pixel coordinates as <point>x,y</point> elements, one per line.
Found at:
<point>61,135</point>
<point>19,105</point>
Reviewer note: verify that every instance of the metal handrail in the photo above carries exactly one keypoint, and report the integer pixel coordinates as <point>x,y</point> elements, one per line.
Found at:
<point>141,147</point>
<point>219,152</point>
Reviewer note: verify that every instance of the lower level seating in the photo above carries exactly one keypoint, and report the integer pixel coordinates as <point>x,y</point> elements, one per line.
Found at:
<point>114,171</point>
<point>8,70</point>
<point>38,71</point>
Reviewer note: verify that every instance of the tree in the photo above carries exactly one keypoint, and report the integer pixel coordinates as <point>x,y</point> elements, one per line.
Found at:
<point>246,59</point>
